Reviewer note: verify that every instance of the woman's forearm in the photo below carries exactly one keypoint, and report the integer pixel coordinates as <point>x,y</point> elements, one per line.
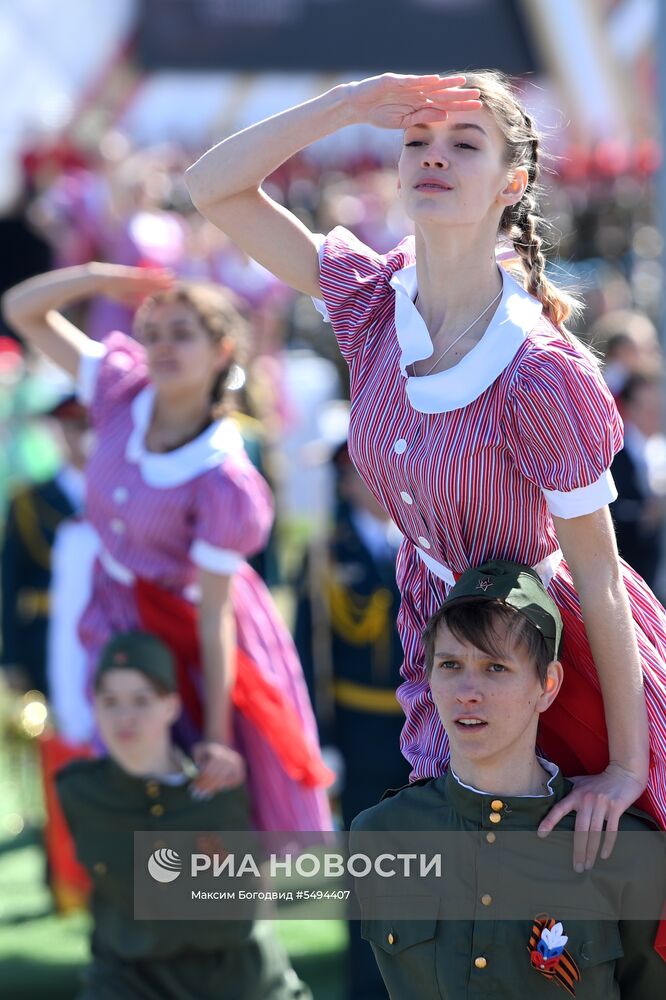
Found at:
<point>32,309</point>
<point>611,634</point>
<point>33,299</point>
<point>218,645</point>
<point>241,162</point>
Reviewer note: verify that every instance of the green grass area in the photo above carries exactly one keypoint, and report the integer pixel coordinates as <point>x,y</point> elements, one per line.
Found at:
<point>42,954</point>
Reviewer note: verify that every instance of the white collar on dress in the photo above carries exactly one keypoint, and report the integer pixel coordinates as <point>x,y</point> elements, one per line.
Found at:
<point>176,467</point>
<point>516,314</point>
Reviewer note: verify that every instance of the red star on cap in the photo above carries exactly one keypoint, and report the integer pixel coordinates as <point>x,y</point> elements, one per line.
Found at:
<point>120,658</point>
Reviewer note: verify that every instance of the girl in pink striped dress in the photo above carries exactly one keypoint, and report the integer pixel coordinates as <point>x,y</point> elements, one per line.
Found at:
<point>480,424</point>
<point>178,507</point>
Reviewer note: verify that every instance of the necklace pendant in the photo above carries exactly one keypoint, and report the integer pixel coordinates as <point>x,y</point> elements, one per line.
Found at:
<point>461,335</point>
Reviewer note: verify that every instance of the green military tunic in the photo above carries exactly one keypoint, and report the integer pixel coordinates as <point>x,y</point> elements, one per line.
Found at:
<point>162,960</point>
<point>490,955</point>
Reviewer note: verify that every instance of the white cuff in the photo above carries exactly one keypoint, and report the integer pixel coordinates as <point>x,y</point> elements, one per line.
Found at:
<point>584,500</point>
<point>319,304</point>
<point>89,366</point>
<point>215,560</point>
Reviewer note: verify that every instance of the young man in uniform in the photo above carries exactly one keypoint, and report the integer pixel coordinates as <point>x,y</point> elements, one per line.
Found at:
<point>491,655</point>
<point>145,784</point>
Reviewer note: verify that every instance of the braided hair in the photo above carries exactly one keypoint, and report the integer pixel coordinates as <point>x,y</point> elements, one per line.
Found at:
<point>522,223</point>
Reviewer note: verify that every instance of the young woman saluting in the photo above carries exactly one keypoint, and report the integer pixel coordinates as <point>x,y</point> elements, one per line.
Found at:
<point>481,425</point>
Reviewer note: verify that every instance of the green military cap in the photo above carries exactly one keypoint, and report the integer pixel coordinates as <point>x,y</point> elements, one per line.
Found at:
<point>517,586</point>
<point>139,651</point>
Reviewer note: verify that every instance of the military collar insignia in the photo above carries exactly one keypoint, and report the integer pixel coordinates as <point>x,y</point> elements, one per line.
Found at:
<point>548,955</point>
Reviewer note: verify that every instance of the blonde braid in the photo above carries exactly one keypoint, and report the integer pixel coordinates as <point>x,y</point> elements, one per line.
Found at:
<point>528,244</point>
<point>525,220</point>
<point>525,235</point>
<point>522,223</point>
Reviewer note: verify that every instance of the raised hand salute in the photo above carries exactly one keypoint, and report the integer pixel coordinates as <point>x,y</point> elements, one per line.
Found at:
<point>225,183</point>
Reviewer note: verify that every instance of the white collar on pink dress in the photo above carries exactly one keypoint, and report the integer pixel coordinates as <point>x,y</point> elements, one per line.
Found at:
<point>516,315</point>
<point>174,468</point>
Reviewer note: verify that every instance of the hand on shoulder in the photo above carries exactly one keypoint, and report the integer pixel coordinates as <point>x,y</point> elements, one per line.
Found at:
<point>599,800</point>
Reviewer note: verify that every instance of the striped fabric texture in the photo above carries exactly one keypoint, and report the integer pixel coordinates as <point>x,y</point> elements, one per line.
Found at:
<point>467,485</point>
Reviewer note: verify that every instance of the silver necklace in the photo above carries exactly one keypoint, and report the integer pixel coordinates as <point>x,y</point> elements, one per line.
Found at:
<point>461,335</point>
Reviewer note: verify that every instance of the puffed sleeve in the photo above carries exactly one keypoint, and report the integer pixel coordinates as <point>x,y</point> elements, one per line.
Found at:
<point>110,374</point>
<point>350,275</point>
<point>563,429</point>
<point>233,516</point>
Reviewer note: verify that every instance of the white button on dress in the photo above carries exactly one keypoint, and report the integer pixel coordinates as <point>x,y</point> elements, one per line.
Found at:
<point>400,446</point>
<point>423,542</point>
<point>117,526</point>
<point>407,498</point>
<point>120,494</point>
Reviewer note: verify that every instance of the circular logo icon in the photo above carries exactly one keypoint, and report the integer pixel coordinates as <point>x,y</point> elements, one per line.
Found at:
<point>164,865</point>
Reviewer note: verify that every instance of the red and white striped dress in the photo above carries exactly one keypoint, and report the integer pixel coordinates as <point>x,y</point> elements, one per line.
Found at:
<point>162,517</point>
<point>470,463</point>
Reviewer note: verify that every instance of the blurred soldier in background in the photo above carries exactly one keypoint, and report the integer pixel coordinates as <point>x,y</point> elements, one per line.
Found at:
<point>629,342</point>
<point>46,558</point>
<point>639,471</point>
<point>34,516</point>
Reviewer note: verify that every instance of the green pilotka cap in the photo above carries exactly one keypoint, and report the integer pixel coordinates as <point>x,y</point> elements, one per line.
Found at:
<point>139,651</point>
<point>517,586</point>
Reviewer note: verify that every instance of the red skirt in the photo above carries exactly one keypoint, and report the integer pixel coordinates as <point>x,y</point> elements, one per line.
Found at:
<point>260,701</point>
